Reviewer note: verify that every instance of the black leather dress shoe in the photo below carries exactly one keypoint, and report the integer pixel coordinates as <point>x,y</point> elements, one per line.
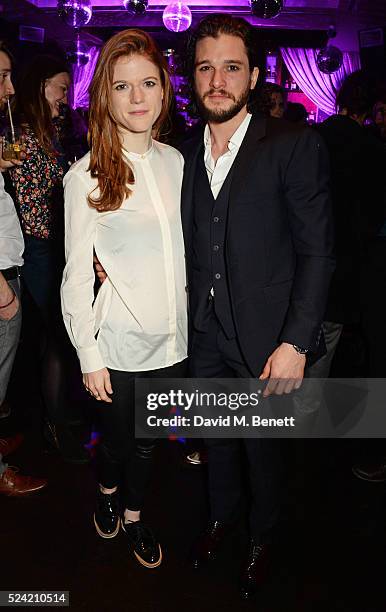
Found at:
<point>106,516</point>
<point>256,569</point>
<point>206,546</point>
<point>372,472</point>
<point>143,543</point>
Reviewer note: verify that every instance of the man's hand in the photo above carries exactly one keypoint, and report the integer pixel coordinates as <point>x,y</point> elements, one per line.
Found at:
<point>99,269</point>
<point>6,314</point>
<point>98,385</point>
<point>284,369</point>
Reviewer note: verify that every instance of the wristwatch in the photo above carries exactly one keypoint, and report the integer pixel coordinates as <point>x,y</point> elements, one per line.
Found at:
<point>300,350</point>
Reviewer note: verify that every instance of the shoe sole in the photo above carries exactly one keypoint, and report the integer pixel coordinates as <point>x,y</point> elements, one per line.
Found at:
<point>23,493</point>
<point>106,536</point>
<point>189,460</point>
<point>150,565</point>
<point>366,478</point>
<point>142,561</point>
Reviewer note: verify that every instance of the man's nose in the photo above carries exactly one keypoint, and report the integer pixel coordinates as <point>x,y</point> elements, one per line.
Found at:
<point>218,79</point>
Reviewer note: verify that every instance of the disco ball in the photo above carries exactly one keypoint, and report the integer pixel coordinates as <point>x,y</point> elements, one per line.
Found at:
<point>75,13</point>
<point>136,7</point>
<point>329,60</point>
<point>60,9</point>
<point>177,17</point>
<point>78,53</point>
<point>266,9</point>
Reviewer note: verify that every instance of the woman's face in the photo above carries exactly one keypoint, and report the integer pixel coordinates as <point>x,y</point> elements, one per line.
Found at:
<point>56,89</point>
<point>137,94</point>
<point>277,105</point>
<point>380,116</point>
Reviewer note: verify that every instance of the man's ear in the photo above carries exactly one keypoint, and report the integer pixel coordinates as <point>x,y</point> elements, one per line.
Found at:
<point>254,77</point>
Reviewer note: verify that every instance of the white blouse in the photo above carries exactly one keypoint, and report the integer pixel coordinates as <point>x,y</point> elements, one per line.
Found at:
<point>138,321</point>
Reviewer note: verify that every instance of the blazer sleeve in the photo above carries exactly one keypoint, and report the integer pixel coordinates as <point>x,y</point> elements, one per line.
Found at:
<point>77,291</point>
<point>306,186</point>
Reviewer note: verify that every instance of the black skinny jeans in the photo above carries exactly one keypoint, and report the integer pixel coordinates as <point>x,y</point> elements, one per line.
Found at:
<point>42,275</point>
<point>123,460</point>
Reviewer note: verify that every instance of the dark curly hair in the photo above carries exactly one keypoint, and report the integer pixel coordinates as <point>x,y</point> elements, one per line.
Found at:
<point>357,94</point>
<point>263,102</point>
<point>213,26</point>
<point>4,49</point>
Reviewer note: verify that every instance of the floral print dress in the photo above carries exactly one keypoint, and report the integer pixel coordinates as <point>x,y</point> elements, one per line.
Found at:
<point>38,188</point>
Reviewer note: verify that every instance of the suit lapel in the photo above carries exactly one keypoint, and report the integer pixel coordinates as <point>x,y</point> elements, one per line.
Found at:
<point>187,191</point>
<point>242,164</point>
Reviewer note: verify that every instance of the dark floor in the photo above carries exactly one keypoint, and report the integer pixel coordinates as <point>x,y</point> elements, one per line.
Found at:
<point>329,550</point>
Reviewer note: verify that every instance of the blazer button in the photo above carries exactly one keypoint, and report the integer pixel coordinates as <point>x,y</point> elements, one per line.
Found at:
<point>217,276</point>
<point>216,219</point>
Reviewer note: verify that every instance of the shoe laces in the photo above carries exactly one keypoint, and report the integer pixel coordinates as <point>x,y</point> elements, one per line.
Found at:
<point>109,502</point>
<point>10,476</point>
<point>13,468</point>
<point>139,530</point>
<point>4,442</point>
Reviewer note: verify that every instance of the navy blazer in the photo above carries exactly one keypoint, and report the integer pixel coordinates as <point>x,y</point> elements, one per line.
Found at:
<point>279,237</point>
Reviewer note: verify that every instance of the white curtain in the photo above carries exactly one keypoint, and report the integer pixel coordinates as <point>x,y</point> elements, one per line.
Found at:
<point>82,76</point>
<point>320,88</point>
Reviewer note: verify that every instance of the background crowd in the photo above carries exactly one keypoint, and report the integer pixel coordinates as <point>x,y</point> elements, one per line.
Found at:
<point>54,136</point>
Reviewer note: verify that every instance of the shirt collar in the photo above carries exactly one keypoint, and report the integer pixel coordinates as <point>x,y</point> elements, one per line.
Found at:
<point>235,140</point>
<point>139,156</point>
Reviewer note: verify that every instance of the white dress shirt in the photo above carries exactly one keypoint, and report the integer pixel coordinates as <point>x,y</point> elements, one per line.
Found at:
<point>11,237</point>
<point>140,313</point>
<point>218,171</point>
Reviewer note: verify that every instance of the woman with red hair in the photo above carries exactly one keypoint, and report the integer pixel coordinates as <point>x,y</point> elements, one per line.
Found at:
<point>122,202</point>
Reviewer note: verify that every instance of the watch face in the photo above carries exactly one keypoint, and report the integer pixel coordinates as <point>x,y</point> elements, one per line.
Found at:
<point>300,350</point>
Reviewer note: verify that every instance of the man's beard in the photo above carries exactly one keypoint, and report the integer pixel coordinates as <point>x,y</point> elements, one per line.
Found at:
<point>220,115</point>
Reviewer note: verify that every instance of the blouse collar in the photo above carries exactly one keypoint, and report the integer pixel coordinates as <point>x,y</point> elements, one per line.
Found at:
<point>139,156</point>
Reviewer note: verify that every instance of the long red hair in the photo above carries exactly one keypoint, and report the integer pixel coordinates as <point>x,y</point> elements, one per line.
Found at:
<point>107,165</point>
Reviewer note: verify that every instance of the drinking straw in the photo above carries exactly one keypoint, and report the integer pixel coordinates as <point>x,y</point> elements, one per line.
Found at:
<point>11,122</point>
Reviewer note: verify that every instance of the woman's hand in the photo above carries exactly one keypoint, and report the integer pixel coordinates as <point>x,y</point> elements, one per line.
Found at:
<point>98,385</point>
<point>7,164</point>
<point>6,314</point>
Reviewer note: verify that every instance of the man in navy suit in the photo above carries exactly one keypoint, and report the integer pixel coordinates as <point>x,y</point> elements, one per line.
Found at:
<point>259,248</point>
